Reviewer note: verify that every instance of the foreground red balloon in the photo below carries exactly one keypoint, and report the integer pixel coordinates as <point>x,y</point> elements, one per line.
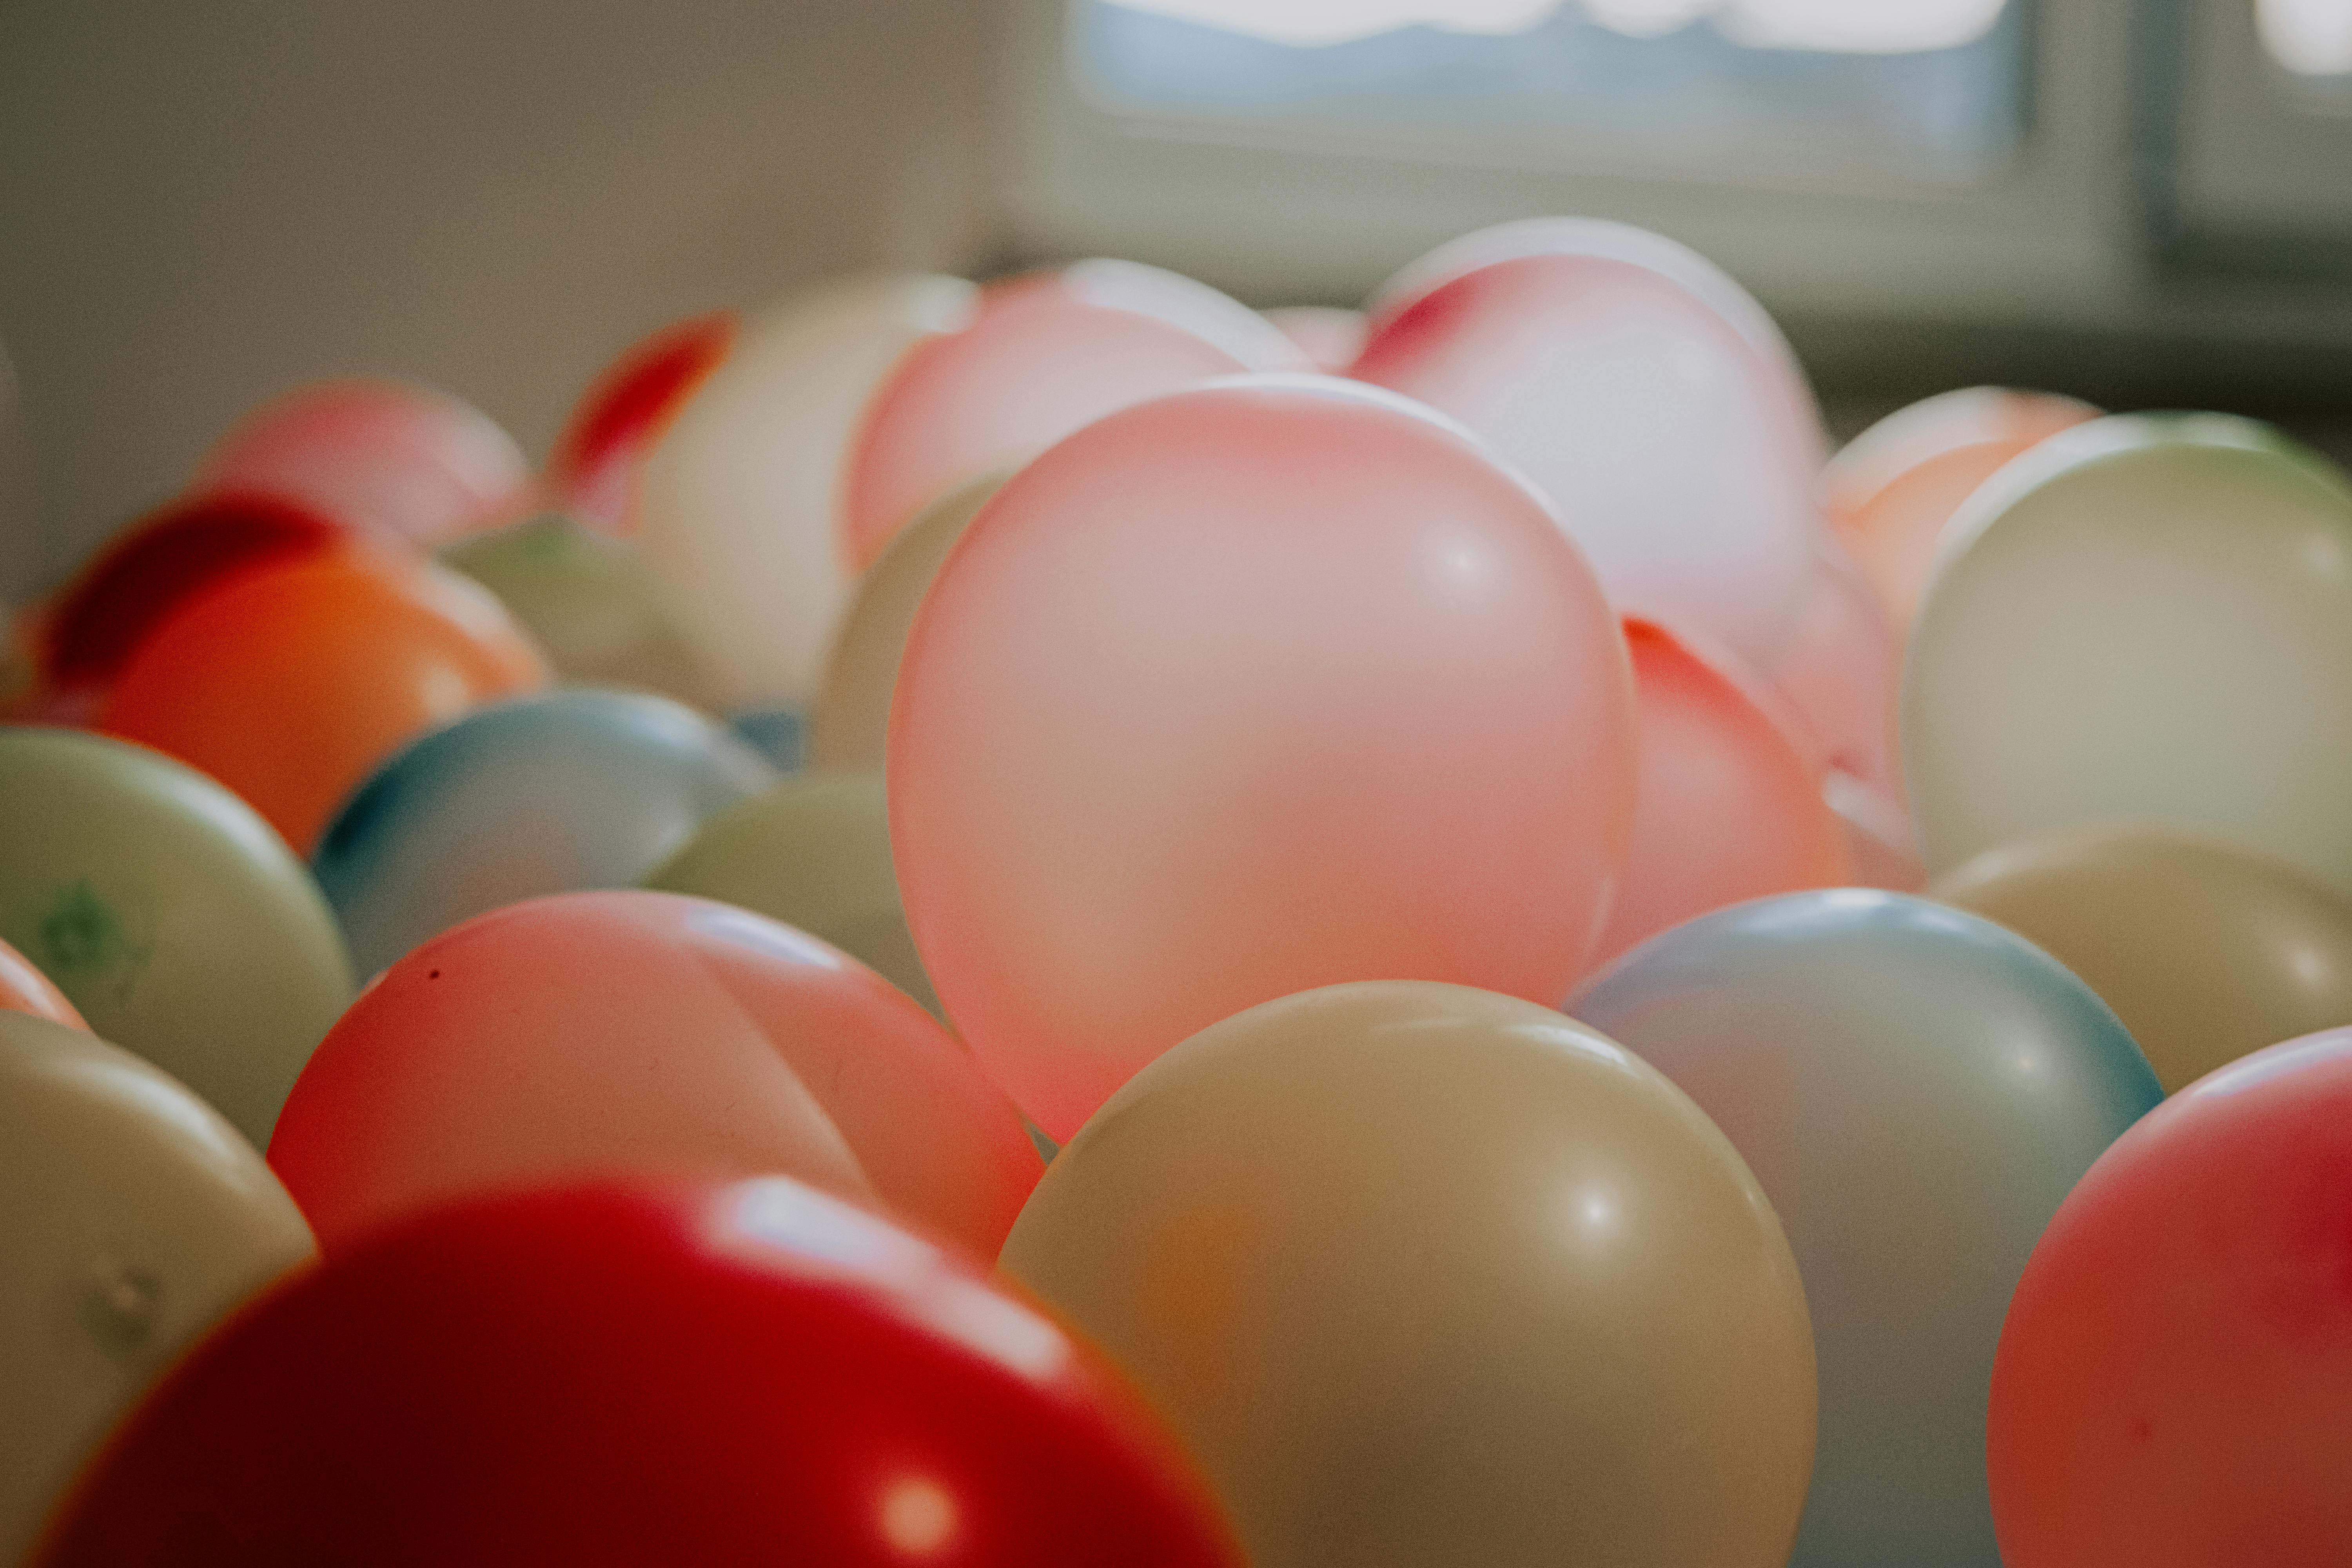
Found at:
<point>748,1373</point>
<point>2174,1384</point>
<point>589,1033</point>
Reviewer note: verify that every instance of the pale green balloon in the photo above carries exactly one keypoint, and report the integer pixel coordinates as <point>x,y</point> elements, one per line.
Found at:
<point>169,914</point>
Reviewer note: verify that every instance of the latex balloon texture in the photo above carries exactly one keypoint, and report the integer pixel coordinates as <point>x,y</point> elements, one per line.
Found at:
<point>746,1373</point>
<point>1144,768</point>
<point>169,915</point>
<point>290,685</point>
<point>599,457</point>
<point>549,793</point>
<point>1332,339</point>
<point>1916,1089</point>
<point>1841,674</point>
<point>133,1217</point>
<point>1881,849</point>
<point>1427,1274</point>
<point>24,989</point>
<point>2145,618</point>
<point>594,1033</point>
<point>2205,950</point>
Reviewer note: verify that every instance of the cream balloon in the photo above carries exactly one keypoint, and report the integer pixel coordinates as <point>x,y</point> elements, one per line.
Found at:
<point>2146,617</point>
<point>738,502</point>
<point>853,716</point>
<point>1428,1274</point>
<point>133,1217</point>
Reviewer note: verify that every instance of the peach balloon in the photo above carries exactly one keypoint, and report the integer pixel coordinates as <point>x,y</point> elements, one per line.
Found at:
<point>1891,489</point>
<point>1842,671</point>
<point>393,460</point>
<point>1258,686</point>
<point>24,989</point>
<point>1330,337</point>
<point>599,1032</point>
<point>1881,849</point>
<point>1044,354</point>
<point>1728,807</point>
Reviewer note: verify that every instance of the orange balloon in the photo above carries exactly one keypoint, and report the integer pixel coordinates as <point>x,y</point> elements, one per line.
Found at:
<point>1728,807</point>
<point>288,685</point>
<point>1842,671</point>
<point>24,989</point>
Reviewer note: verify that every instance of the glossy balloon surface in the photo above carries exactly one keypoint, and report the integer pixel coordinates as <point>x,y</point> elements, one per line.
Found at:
<point>1840,673</point>
<point>173,917</point>
<point>24,989</point>
<point>550,794</point>
<point>290,685</point>
<point>132,1217</point>
<point>815,853</point>
<point>1331,338</point>
<point>618,1031</point>
<point>398,462</point>
<point>2206,950</point>
<point>1145,767</point>
<point>2146,616</point>
<point>1728,808</point>
<point>1619,373</point>
<point>2174,1374</point>
<point>1916,1089</point>
<point>1431,1275</point>
<point>1044,354</point>
<point>737,503</point>
<point>600,457</point>
<point>731,1373</point>
<point>853,715</point>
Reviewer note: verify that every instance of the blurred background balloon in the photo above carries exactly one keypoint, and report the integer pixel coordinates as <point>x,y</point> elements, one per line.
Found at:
<point>132,1217</point>
<point>2205,950</point>
<point>1330,338</point>
<point>1881,849</point>
<point>599,1032</point>
<point>24,989</point>
<point>548,793</point>
<point>1916,1089</point>
<point>815,853</point>
<point>173,917</point>
<point>1431,1275</point>
<point>599,459</point>
<point>2146,616</point>
<point>1841,672</point>
<point>290,685</point>
<point>2174,1373</point>
<point>1250,688</point>
<point>719,1374</point>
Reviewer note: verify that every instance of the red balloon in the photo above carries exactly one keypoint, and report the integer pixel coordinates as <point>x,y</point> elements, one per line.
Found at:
<point>593,468</point>
<point>589,1032</point>
<point>2174,1382</point>
<point>748,1373</point>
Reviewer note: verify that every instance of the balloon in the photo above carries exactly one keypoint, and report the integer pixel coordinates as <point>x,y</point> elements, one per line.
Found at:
<point>616,1031</point>
<point>1044,354</point>
<point>1331,338</point>
<point>601,454</point>
<point>2205,950</point>
<point>1880,849</point>
<point>853,716</point>
<point>1639,390</point>
<point>399,463</point>
<point>2174,1372</point>
<point>814,853</point>
<point>1148,756</point>
<point>169,914</point>
<point>132,1217</point>
<point>1726,808</point>
<point>550,794</point>
<point>288,685</point>
<point>1840,671</point>
<point>2146,616</point>
<point>731,1373</point>
<point>737,500</point>
<point>1916,1089</point>
<point>1892,489</point>
<point>1431,1275</point>
<point>24,989</point>
<point>586,601</point>
<point>779,734</point>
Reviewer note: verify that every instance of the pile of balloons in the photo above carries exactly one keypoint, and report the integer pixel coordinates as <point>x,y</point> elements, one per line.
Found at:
<point>1060,923</point>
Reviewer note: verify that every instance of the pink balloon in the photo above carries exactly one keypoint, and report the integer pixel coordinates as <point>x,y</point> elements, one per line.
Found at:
<point>1254,688</point>
<point>1842,671</point>
<point>1728,809</point>
<point>1044,354</point>
<point>1880,847</point>
<point>398,462</point>
<point>597,1032</point>
<point>1640,390</point>
<point>1330,337</point>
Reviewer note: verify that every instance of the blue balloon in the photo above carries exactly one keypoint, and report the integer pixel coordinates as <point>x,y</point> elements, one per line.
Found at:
<point>549,793</point>
<point>781,733</point>
<point>1917,1089</point>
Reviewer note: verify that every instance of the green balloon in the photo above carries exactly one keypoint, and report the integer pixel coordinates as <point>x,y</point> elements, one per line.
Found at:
<point>169,914</point>
<point>814,852</point>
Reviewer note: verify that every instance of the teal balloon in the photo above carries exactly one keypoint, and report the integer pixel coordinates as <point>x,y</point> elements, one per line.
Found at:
<point>1917,1089</point>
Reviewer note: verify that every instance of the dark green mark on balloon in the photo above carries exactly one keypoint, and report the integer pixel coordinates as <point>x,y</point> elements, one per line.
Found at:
<point>82,940</point>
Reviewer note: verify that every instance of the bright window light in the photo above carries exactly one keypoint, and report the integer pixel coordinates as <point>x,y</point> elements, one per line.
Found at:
<point>1859,26</point>
<point>1831,27</point>
<point>1647,18</point>
<point>1316,23</point>
<point>2309,37</point>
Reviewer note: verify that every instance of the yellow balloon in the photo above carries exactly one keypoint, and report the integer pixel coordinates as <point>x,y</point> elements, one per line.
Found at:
<point>853,714</point>
<point>132,1219</point>
<point>1431,1275</point>
<point>2205,950</point>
